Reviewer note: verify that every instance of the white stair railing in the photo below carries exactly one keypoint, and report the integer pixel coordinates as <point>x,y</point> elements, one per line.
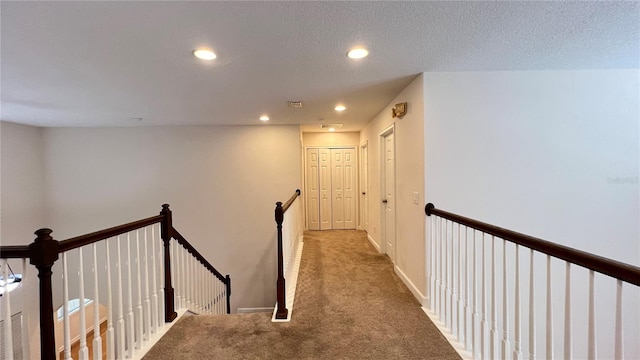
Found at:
<point>464,254</point>
<point>124,297</point>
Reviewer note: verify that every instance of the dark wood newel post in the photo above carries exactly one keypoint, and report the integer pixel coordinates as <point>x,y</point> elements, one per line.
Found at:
<point>43,254</point>
<point>282,311</point>
<point>166,229</point>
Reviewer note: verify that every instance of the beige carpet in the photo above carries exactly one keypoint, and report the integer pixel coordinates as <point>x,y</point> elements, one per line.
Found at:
<point>349,305</point>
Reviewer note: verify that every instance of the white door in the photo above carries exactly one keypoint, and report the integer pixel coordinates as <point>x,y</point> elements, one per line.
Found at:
<point>364,187</point>
<point>337,188</point>
<point>324,156</point>
<point>313,190</point>
<point>349,186</point>
<point>389,196</point>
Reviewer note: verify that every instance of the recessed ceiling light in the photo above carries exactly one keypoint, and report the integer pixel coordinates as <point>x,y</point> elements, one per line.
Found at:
<point>264,118</point>
<point>332,129</point>
<point>357,53</point>
<point>204,54</point>
<point>340,108</point>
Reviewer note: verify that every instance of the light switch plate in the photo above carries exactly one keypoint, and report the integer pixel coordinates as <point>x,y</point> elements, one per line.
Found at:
<point>416,198</point>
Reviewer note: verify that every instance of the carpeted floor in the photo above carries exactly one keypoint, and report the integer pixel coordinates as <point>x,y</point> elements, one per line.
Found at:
<point>349,305</point>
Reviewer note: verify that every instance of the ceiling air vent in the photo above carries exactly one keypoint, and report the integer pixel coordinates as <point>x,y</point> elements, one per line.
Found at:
<point>330,126</point>
<point>295,104</point>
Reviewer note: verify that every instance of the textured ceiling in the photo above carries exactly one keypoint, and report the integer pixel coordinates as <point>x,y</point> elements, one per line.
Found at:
<point>106,63</point>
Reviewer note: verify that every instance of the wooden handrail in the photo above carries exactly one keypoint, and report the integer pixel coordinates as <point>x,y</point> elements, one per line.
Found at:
<point>79,241</point>
<point>185,244</point>
<point>293,197</point>
<point>609,267</point>
<point>15,252</point>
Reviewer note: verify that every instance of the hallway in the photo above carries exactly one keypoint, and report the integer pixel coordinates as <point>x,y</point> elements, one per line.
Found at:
<point>349,305</point>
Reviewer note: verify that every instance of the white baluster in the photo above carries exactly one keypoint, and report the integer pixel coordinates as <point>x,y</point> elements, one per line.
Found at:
<point>120,343</point>
<point>154,284</point>
<point>484,324</point>
<point>83,352</point>
<point>591,338</point>
<point>6,297</point>
<point>218,298</point>
<point>97,340</point>
<point>493,337</point>
<point>65,307</point>
<point>459,298</point>
<point>139,320</point>
<point>448,278</point>
<point>183,256</point>
<point>202,287</point>
<point>506,346</point>
<point>161,307</point>
<point>147,302</point>
<point>111,343</point>
<point>177,274</point>
<point>567,313</point>
<point>199,287</point>
<point>532,311</point>
<point>441,277</point>
<point>189,282</point>
<point>129,320</point>
<point>517,352</point>
<point>549,352</point>
<point>467,291</point>
<point>213,293</point>
<point>26,352</point>
<point>454,295</point>
<point>475,319</point>
<point>196,301</point>
<point>432,257</point>
<point>619,345</point>
<point>438,263</point>
<point>211,296</point>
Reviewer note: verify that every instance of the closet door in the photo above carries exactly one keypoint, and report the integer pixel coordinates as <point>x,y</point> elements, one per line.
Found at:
<point>349,188</point>
<point>337,188</point>
<point>324,156</point>
<point>313,190</point>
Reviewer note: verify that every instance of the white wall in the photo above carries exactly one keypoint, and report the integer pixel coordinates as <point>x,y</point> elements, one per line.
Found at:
<point>553,154</point>
<point>221,182</point>
<point>331,139</point>
<point>409,140</point>
<point>22,183</point>
<point>22,210</point>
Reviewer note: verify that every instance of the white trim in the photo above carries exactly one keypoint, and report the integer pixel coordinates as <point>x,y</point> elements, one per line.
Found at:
<point>412,287</point>
<point>361,212</point>
<point>375,244</point>
<point>254,310</point>
<point>457,346</point>
<point>291,286</point>
<point>391,129</point>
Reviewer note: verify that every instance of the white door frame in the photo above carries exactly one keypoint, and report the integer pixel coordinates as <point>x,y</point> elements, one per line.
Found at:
<point>362,187</point>
<point>383,241</point>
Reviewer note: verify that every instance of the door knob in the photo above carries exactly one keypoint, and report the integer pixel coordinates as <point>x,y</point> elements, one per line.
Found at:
<point>364,193</point>
<point>384,201</point>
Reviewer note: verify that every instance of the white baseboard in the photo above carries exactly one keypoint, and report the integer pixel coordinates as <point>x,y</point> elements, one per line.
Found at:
<point>412,287</point>
<point>254,310</point>
<point>457,346</point>
<point>375,245</point>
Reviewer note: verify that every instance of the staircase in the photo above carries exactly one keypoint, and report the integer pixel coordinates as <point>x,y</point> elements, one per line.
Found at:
<point>132,280</point>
